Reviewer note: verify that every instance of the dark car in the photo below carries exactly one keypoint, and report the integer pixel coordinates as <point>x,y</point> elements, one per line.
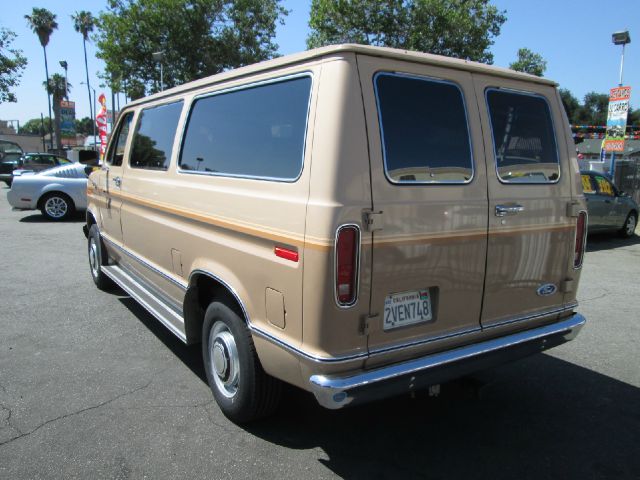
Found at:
<point>30,162</point>
<point>10,154</point>
<point>609,209</point>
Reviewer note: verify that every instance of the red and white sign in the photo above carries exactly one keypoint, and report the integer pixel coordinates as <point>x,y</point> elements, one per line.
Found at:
<point>617,119</point>
<point>101,123</point>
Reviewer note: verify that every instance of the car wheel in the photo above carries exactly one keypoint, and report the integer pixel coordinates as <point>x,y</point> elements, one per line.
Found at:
<point>57,206</point>
<point>629,227</point>
<point>97,258</point>
<point>242,389</point>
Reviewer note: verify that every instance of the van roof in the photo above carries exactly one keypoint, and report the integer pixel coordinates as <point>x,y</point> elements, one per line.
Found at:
<point>406,55</point>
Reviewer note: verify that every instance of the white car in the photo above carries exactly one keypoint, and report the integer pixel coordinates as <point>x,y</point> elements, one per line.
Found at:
<point>57,192</point>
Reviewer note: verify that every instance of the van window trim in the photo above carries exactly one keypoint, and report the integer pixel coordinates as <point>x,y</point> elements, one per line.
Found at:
<point>380,126</point>
<point>114,139</point>
<point>247,86</point>
<point>493,142</point>
<point>138,119</point>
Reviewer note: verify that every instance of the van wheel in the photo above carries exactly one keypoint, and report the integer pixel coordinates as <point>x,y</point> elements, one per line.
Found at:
<point>97,258</point>
<point>242,389</point>
<point>57,206</point>
<point>629,227</point>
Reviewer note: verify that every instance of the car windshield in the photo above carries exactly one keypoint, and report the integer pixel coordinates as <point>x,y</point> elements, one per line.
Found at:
<point>9,147</point>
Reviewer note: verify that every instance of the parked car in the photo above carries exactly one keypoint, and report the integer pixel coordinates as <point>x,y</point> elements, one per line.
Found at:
<point>609,209</point>
<point>35,162</point>
<point>357,221</point>
<point>10,153</point>
<point>57,192</point>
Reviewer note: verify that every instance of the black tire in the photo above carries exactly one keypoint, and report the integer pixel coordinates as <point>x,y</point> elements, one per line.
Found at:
<point>242,389</point>
<point>57,206</point>
<point>630,224</point>
<point>97,258</point>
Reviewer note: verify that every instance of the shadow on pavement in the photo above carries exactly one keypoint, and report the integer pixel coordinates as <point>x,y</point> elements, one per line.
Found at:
<point>191,356</point>
<point>538,418</point>
<point>609,241</point>
<point>39,218</point>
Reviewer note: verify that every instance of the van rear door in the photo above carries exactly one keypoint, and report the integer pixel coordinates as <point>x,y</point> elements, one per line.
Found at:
<point>429,218</point>
<point>531,235</point>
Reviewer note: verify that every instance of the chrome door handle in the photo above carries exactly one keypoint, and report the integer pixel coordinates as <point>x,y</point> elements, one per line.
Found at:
<point>504,210</point>
<point>117,181</point>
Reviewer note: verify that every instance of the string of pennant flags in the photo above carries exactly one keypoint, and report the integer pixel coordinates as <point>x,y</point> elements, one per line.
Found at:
<point>600,127</point>
<point>598,132</point>
<point>602,135</point>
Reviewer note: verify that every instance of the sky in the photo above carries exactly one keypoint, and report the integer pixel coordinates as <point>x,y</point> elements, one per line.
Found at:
<point>573,36</point>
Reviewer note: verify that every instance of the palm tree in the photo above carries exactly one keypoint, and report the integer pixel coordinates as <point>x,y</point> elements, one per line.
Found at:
<point>83,22</point>
<point>59,88</point>
<point>43,23</point>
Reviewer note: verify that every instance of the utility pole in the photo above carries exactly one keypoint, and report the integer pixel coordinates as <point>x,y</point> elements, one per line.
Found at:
<point>65,65</point>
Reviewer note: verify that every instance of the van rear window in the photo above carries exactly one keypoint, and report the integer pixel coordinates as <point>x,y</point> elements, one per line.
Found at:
<point>523,137</point>
<point>255,132</point>
<point>425,136</point>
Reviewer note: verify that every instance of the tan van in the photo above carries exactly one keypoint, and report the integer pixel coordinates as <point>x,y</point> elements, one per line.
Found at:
<point>356,221</point>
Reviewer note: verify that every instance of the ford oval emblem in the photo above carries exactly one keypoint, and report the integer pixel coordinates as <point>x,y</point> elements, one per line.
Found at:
<point>547,289</point>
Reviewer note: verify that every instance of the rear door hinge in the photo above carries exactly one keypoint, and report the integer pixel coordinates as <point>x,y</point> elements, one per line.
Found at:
<point>365,322</point>
<point>372,220</point>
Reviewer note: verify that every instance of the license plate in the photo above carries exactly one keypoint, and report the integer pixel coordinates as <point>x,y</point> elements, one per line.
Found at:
<point>406,308</point>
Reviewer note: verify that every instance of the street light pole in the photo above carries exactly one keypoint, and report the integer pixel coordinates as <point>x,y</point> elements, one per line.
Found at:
<point>622,64</point>
<point>619,38</point>
<point>93,110</point>
<point>158,57</point>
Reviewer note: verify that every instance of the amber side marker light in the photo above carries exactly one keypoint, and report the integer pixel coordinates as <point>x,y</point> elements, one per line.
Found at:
<point>581,239</point>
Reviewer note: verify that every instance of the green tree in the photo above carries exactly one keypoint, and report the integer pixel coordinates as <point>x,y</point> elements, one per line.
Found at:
<point>34,126</point>
<point>84,23</point>
<point>571,105</point>
<point>456,28</point>
<point>84,126</point>
<point>594,110</point>
<point>12,63</point>
<point>634,117</point>
<point>58,88</point>
<point>43,23</point>
<point>198,38</point>
<point>529,62</point>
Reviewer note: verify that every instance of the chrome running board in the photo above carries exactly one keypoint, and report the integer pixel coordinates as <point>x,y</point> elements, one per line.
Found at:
<point>169,316</point>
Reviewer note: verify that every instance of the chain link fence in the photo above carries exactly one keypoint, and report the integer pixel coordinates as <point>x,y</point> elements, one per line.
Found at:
<point>627,177</point>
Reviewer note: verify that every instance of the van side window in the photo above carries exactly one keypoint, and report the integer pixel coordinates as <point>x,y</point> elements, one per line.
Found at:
<point>255,132</point>
<point>523,137</point>
<point>425,136</point>
<point>154,135</point>
<point>116,152</point>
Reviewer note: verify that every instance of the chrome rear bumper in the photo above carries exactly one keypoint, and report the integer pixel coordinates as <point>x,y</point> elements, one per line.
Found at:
<point>339,391</point>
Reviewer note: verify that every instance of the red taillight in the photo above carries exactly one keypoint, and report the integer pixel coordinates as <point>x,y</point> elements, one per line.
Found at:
<point>581,235</point>
<point>347,252</point>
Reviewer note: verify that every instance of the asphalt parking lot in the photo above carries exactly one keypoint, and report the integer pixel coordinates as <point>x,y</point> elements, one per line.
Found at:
<point>91,386</point>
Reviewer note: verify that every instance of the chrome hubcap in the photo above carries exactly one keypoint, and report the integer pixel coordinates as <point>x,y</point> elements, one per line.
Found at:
<point>56,207</point>
<point>631,225</point>
<point>224,359</point>
<point>93,257</point>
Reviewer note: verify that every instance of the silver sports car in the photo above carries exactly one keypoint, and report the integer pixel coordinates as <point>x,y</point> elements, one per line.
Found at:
<point>57,192</point>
